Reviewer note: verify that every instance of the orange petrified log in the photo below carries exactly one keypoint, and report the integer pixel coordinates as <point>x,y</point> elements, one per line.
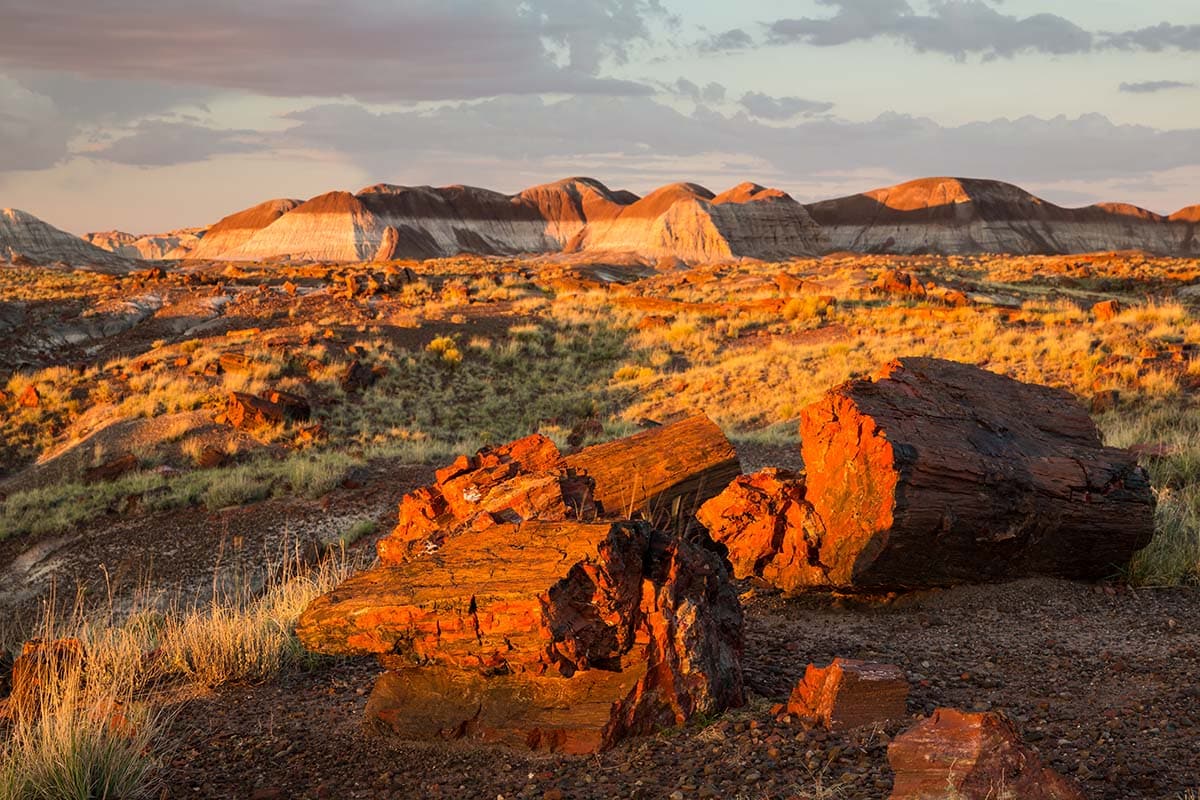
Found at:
<point>936,472</point>
<point>849,694</point>
<point>973,756</point>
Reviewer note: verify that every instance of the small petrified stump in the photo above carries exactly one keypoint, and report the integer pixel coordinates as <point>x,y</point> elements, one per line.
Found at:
<point>936,473</point>
<point>849,694</point>
<point>30,398</point>
<point>768,528</point>
<point>1106,310</point>
<point>563,636</point>
<point>41,666</point>
<point>973,756</point>
<point>247,411</point>
<point>112,469</point>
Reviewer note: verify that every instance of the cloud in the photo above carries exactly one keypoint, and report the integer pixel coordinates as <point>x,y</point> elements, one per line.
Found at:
<point>534,138</point>
<point>415,50</point>
<point>1157,38</point>
<point>728,41</point>
<point>33,134</point>
<point>709,93</point>
<point>780,108</point>
<point>160,143</point>
<point>953,27</point>
<point>1147,87</point>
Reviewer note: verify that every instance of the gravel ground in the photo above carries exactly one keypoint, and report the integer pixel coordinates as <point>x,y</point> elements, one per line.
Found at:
<point>1102,681</point>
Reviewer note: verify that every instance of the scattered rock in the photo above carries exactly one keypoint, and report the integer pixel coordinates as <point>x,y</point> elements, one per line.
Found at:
<point>973,756</point>
<point>898,282</point>
<point>210,457</point>
<point>937,473</point>
<point>357,377</point>
<point>42,662</point>
<point>30,398</point>
<point>849,694</point>
<point>1106,400</point>
<point>247,411</point>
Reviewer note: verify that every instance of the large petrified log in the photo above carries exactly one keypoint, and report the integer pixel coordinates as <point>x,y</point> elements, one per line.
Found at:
<point>973,756</point>
<point>661,474</point>
<point>936,472</point>
<point>560,635</point>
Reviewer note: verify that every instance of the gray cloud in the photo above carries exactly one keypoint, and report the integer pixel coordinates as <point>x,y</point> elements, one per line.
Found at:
<point>954,27</point>
<point>1147,87</point>
<point>414,50</point>
<point>160,143</point>
<point>33,133</point>
<point>709,93</point>
<point>1157,38</point>
<point>780,108</point>
<point>530,137</point>
<point>728,41</point>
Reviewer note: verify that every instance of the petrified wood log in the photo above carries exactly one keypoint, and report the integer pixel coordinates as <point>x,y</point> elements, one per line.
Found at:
<point>850,693</point>
<point>768,528</point>
<point>973,756</point>
<point>936,473</point>
<point>664,473</point>
<point>563,636</point>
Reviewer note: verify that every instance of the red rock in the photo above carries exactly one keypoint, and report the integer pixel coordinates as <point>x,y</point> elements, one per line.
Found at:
<point>1106,310</point>
<point>955,298</point>
<point>210,457</point>
<point>936,473</point>
<point>30,398</point>
<point>563,636</point>
<point>849,694</point>
<point>768,528</point>
<point>973,756</point>
<point>358,376</point>
<point>235,362</point>
<point>1105,400</point>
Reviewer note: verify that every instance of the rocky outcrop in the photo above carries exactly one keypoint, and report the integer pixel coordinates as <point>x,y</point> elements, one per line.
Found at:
<point>235,230</point>
<point>562,636</point>
<point>973,756</point>
<point>26,239</point>
<point>385,222</point>
<point>935,472</point>
<point>963,215</point>
<point>850,694</point>
<point>173,245</point>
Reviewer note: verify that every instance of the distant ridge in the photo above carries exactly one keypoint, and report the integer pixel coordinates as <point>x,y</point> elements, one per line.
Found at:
<point>25,238</point>
<point>574,215</point>
<point>156,246</point>
<point>969,215</point>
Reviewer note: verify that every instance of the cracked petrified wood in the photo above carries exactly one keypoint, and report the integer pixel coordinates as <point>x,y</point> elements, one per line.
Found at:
<point>850,694</point>
<point>662,474</point>
<point>936,472</point>
<point>972,756</point>
<point>561,635</point>
<point>768,528</point>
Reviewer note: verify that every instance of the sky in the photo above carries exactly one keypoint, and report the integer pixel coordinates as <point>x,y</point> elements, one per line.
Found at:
<point>148,115</point>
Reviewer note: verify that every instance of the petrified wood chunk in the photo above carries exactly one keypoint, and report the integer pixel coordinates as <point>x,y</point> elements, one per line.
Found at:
<point>936,472</point>
<point>247,411</point>
<point>768,528</point>
<point>42,666</point>
<point>563,635</point>
<point>665,473</point>
<point>973,756</point>
<point>850,693</point>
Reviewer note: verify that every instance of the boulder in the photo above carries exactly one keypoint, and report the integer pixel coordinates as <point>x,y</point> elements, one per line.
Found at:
<point>850,694</point>
<point>972,756</point>
<point>935,473</point>
<point>358,376</point>
<point>563,636</point>
<point>898,282</point>
<point>768,528</point>
<point>30,398</point>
